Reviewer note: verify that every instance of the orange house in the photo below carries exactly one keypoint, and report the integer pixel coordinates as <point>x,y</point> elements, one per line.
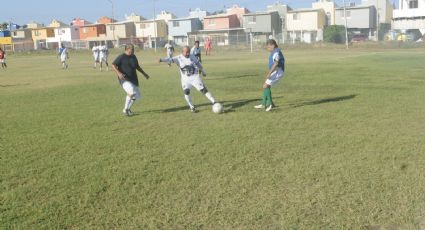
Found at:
<point>92,31</point>
<point>106,20</point>
<point>219,22</point>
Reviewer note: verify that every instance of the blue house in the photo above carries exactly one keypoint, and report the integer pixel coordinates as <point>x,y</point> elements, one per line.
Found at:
<point>179,28</point>
<point>4,33</point>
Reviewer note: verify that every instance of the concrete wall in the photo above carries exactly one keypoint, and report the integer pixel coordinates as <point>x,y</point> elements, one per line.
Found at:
<point>307,21</point>
<point>360,18</point>
<point>264,23</point>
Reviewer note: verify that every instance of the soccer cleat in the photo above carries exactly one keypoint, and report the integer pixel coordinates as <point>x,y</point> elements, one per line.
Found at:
<point>193,110</point>
<point>269,108</point>
<point>127,112</point>
<point>259,107</point>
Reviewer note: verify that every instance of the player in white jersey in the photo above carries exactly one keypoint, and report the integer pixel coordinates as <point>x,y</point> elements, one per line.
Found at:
<point>103,57</point>
<point>170,50</point>
<point>190,68</point>
<point>63,54</point>
<point>96,55</point>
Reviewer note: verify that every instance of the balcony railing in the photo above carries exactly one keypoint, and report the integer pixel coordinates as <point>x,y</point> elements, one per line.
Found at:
<point>409,13</point>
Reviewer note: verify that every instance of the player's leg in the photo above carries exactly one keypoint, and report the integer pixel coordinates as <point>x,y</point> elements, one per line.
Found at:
<point>186,86</point>
<point>200,86</point>
<point>133,94</point>
<point>101,65</point>
<point>273,80</point>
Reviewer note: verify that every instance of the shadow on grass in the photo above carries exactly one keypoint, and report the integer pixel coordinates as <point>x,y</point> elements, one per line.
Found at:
<point>323,101</point>
<point>230,77</point>
<point>229,106</point>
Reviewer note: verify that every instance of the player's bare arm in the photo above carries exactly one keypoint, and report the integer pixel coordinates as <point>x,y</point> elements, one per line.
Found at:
<point>201,68</point>
<point>274,68</point>
<point>143,72</point>
<point>119,74</point>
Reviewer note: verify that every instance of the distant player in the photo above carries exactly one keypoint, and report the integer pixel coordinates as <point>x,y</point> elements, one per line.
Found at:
<point>96,55</point>
<point>3,59</point>
<point>64,56</point>
<point>170,50</point>
<point>276,72</point>
<point>190,68</point>
<point>125,67</point>
<point>208,46</point>
<point>196,51</point>
<point>103,57</point>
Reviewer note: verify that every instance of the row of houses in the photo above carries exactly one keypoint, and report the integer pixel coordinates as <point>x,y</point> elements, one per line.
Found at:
<point>233,25</point>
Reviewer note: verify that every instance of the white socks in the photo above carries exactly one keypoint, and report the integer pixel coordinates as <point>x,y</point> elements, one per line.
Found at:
<point>189,100</point>
<point>210,97</point>
<point>128,103</point>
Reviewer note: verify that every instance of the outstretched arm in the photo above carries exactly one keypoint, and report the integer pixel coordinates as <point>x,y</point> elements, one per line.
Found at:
<point>201,68</point>
<point>142,71</point>
<point>168,60</point>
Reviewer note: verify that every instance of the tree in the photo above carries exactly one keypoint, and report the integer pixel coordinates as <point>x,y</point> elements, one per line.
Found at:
<point>334,34</point>
<point>4,25</point>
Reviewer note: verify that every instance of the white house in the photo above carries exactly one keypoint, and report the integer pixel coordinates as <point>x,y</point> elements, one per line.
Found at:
<point>64,35</point>
<point>166,16</point>
<point>410,16</point>
<point>329,7</point>
<point>384,9</point>
<point>152,30</point>
<point>306,25</point>
<point>198,13</point>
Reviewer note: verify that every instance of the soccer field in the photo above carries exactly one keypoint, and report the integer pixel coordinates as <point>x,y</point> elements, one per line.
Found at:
<point>343,150</point>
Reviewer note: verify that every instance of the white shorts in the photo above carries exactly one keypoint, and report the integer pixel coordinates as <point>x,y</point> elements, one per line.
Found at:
<point>170,54</point>
<point>103,58</point>
<point>275,77</point>
<point>96,58</point>
<point>3,60</point>
<point>131,89</point>
<point>192,81</point>
<point>63,59</point>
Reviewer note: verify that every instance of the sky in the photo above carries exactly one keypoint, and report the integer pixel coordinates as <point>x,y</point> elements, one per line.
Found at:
<point>43,11</point>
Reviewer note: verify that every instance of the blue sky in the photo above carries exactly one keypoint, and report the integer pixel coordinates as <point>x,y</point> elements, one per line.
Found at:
<point>43,11</point>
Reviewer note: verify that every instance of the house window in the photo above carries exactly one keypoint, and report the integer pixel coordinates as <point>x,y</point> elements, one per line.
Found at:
<point>211,22</point>
<point>37,33</point>
<point>176,24</point>
<point>252,19</point>
<point>85,30</point>
<point>348,12</point>
<point>296,16</point>
<point>15,33</point>
<point>413,4</point>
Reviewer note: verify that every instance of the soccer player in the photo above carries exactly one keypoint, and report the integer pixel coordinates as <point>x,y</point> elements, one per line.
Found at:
<point>3,59</point>
<point>63,54</point>
<point>190,68</point>
<point>276,72</point>
<point>96,55</point>
<point>196,51</point>
<point>125,67</point>
<point>170,50</point>
<point>103,57</point>
<point>208,46</point>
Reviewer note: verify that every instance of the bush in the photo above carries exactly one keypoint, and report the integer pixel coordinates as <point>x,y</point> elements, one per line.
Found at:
<point>334,34</point>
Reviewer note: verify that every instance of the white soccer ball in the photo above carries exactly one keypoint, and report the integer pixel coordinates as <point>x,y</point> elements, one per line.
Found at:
<point>218,108</point>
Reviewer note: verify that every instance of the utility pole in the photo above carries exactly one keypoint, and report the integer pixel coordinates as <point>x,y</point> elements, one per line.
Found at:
<point>154,22</point>
<point>377,20</point>
<point>346,25</point>
<point>112,21</point>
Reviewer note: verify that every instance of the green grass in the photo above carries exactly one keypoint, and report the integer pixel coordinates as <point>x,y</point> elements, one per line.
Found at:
<point>344,149</point>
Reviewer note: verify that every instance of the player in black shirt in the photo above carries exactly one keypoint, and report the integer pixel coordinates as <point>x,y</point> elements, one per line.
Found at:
<point>125,67</point>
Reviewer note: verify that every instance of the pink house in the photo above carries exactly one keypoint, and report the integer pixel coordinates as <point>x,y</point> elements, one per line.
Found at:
<point>78,22</point>
<point>239,11</point>
<point>219,22</point>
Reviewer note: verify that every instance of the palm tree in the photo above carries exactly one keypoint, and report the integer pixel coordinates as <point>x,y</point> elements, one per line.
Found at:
<point>4,25</point>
